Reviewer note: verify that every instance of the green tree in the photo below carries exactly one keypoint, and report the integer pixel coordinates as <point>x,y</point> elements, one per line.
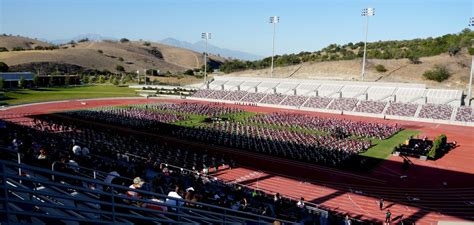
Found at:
<point>22,82</point>
<point>101,79</point>
<point>120,68</point>
<point>36,80</point>
<point>380,68</point>
<point>438,73</point>
<point>51,81</point>
<point>189,72</point>
<point>67,80</point>
<point>3,67</point>
<point>2,83</point>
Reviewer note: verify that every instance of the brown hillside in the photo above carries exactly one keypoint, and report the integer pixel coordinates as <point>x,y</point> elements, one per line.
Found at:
<point>11,42</point>
<point>135,55</point>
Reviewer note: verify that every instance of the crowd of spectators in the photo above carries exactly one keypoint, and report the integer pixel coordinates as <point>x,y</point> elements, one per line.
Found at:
<point>465,114</point>
<point>273,99</point>
<point>370,106</point>
<point>46,140</point>
<point>357,128</point>
<point>436,111</point>
<point>236,95</point>
<point>401,109</point>
<point>253,97</point>
<point>313,148</point>
<point>213,109</point>
<point>294,100</point>
<point>345,104</point>
<point>318,102</point>
<point>130,116</point>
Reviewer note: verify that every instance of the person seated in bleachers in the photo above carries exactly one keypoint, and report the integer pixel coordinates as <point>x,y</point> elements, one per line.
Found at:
<point>175,195</point>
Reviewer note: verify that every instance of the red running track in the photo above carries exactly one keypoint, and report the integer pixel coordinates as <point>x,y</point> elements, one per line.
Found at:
<point>433,191</point>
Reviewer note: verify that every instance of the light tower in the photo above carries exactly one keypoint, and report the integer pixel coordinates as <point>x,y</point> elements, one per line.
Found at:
<point>273,20</point>
<point>367,12</point>
<point>469,86</point>
<point>206,36</point>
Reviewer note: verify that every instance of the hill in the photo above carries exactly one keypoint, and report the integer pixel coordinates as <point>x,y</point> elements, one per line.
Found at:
<point>398,70</point>
<point>86,56</point>
<point>11,42</point>
<point>404,60</point>
<point>200,47</point>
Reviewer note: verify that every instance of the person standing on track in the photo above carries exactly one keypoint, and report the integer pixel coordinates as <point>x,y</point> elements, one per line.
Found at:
<point>388,215</point>
<point>381,204</point>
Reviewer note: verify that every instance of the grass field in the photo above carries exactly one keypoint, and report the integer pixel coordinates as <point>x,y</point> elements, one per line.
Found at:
<point>22,96</point>
<point>383,148</point>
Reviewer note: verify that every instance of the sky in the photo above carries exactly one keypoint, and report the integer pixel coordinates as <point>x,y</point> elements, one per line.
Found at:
<point>305,25</point>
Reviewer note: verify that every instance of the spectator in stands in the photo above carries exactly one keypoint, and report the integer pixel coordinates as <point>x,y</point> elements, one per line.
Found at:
<point>381,203</point>
<point>174,195</point>
<point>300,203</point>
<point>76,149</point>
<point>137,184</point>
<point>85,151</point>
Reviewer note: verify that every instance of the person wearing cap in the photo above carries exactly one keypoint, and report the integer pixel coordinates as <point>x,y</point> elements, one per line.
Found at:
<point>137,183</point>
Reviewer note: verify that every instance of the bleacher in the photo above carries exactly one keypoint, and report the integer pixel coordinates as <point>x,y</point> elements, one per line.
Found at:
<point>396,100</point>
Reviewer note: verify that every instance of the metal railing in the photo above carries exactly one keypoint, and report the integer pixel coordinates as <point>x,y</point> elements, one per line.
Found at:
<point>69,202</point>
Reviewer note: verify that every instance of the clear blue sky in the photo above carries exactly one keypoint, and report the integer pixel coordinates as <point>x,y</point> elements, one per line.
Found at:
<point>305,25</point>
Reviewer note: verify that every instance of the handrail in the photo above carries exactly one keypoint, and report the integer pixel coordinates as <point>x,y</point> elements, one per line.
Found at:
<point>94,171</point>
<point>116,187</point>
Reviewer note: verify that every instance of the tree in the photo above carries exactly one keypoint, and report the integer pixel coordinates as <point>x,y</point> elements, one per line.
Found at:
<point>454,50</point>
<point>67,80</point>
<point>36,80</point>
<point>380,68</point>
<point>2,83</point>
<point>22,82</point>
<point>51,81</point>
<point>3,67</point>
<point>146,43</point>
<point>3,49</point>
<point>124,40</point>
<point>101,79</point>
<point>438,73</point>
<point>120,68</point>
<point>189,72</point>
<point>83,40</point>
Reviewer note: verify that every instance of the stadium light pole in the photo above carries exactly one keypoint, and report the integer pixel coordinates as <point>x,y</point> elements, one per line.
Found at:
<point>273,20</point>
<point>367,12</point>
<point>469,89</point>
<point>206,36</point>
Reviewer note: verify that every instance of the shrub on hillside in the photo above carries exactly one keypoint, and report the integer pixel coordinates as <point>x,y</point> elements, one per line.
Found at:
<point>120,68</point>
<point>3,49</point>
<point>454,50</point>
<point>124,40</point>
<point>189,72</point>
<point>83,40</point>
<point>120,59</point>
<point>414,59</point>
<point>438,73</point>
<point>3,67</point>
<point>380,68</point>
<point>471,51</point>
<point>146,43</point>
<point>100,51</point>
<point>18,49</point>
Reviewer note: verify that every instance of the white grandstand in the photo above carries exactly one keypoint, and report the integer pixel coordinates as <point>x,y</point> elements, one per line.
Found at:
<point>388,100</point>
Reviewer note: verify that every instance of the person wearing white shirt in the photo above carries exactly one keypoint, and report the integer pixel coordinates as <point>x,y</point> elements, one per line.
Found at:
<point>76,149</point>
<point>174,194</point>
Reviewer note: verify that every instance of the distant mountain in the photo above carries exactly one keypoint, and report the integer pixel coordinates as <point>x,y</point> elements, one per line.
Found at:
<point>91,37</point>
<point>200,46</point>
